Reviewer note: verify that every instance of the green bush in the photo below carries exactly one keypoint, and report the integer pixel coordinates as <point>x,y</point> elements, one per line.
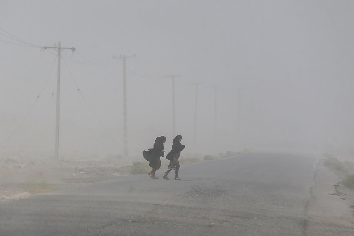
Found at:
<point>139,168</point>
<point>39,186</point>
<point>349,182</point>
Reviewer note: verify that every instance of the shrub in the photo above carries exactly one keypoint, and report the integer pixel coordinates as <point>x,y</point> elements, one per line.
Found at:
<point>39,186</point>
<point>139,168</point>
<point>349,182</point>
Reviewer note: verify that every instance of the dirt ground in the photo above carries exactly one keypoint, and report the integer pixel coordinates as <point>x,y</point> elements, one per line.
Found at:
<point>21,178</point>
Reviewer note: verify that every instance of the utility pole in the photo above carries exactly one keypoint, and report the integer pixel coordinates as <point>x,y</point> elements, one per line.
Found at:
<point>239,105</point>
<point>57,126</point>
<point>215,109</point>
<point>173,102</point>
<point>125,112</point>
<point>216,143</point>
<point>195,112</point>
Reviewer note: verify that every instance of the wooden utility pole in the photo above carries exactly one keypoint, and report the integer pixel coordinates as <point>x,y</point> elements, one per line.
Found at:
<point>173,103</point>
<point>195,112</point>
<point>125,111</point>
<point>57,125</point>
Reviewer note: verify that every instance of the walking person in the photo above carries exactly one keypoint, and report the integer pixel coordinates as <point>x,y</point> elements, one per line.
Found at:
<point>154,154</point>
<point>173,156</point>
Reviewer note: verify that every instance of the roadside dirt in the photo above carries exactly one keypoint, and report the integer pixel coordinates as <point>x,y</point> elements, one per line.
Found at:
<point>330,206</point>
<point>20,178</point>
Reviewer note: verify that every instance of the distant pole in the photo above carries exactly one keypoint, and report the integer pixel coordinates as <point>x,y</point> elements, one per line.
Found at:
<point>215,109</point>
<point>57,125</point>
<point>239,106</point>
<point>58,105</point>
<point>125,106</point>
<point>125,112</point>
<point>173,103</point>
<point>173,107</point>
<point>195,112</point>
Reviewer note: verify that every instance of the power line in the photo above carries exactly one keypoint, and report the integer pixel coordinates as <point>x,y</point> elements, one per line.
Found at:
<point>88,106</point>
<point>16,39</point>
<point>33,105</point>
<point>51,70</point>
<point>98,62</point>
<point>15,43</point>
<point>107,61</point>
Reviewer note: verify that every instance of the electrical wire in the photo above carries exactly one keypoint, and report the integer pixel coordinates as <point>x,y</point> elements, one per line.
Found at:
<point>108,61</point>
<point>30,110</point>
<point>16,39</point>
<point>103,61</point>
<point>51,70</point>
<point>90,109</point>
<point>15,43</point>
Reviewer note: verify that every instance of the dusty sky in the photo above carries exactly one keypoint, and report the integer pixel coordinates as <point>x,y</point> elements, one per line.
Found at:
<point>292,61</point>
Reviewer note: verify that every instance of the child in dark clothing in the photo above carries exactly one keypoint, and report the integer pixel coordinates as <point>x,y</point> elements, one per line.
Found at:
<point>173,156</point>
<point>156,153</point>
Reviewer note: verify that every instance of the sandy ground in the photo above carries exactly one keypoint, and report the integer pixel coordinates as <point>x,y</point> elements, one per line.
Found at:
<point>330,201</point>
<point>330,210</point>
<point>18,176</point>
<point>331,207</point>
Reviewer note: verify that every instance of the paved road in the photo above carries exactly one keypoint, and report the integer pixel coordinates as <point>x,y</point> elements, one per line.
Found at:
<point>249,194</point>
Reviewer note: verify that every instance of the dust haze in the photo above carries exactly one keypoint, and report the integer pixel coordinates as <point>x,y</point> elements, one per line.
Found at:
<point>273,75</point>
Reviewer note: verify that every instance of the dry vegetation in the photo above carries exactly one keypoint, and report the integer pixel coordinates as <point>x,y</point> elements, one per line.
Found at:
<point>344,169</point>
<point>39,186</point>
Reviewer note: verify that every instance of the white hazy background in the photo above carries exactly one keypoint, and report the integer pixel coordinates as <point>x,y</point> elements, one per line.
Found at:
<point>284,72</point>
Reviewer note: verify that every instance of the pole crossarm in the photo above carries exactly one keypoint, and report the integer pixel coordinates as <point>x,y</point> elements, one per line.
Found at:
<point>62,48</point>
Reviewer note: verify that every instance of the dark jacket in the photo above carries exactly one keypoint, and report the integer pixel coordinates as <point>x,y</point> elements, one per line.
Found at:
<point>157,151</point>
<point>177,147</point>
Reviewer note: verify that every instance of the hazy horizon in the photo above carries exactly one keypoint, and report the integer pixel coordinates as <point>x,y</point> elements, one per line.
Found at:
<point>292,61</point>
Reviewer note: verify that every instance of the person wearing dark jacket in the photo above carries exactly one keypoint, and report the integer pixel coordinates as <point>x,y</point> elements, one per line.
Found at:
<point>173,156</point>
<point>156,153</point>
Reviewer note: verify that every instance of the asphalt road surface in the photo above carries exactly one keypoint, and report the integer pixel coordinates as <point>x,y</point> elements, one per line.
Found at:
<point>249,194</point>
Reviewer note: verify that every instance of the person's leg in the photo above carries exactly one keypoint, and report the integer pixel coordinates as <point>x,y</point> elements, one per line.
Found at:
<point>153,170</point>
<point>170,167</point>
<point>166,173</point>
<point>176,171</point>
<point>152,174</point>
